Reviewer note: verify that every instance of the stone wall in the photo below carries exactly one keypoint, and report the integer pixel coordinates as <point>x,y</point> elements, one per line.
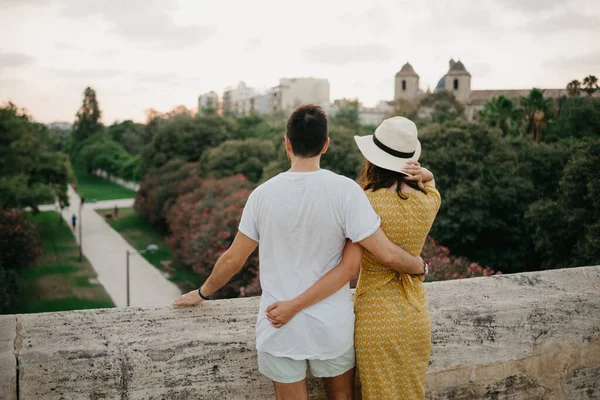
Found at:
<point>523,336</point>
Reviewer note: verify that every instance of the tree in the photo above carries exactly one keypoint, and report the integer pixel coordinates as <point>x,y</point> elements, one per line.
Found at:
<point>538,111</point>
<point>19,247</point>
<point>566,230</point>
<point>87,120</point>
<point>590,84</point>
<point>579,118</point>
<point>129,134</point>
<point>160,189</point>
<point>404,108</point>
<point>247,157</point>
<point>574,88</point>
<point>440,107</point>
<point>185,137</point>
<point>502,112</point>
<point>487,183</point>
<point>202,224</point>
<point>32,172</point>
<point>347,114</point>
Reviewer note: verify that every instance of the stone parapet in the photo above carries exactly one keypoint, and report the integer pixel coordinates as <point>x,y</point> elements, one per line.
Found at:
<point>523,336</point>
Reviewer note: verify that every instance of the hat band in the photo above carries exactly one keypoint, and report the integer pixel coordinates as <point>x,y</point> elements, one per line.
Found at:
<point>391,151</point>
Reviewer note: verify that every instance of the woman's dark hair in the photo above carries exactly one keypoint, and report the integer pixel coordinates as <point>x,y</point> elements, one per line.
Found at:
<point>375,178</point>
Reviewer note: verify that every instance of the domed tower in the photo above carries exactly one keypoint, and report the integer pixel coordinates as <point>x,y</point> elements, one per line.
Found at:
<point>407,83</point>
<point>458,81</point>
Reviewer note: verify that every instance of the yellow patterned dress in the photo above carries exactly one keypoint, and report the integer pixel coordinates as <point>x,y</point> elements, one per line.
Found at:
<point>393,329</point>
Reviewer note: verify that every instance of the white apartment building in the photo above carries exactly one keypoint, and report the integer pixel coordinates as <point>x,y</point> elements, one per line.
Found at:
<point>291,92</point>
<point>208,101</point>
<point>236,99</point>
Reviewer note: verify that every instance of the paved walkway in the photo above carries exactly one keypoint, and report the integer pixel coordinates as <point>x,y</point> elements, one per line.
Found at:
<point>106,251</point>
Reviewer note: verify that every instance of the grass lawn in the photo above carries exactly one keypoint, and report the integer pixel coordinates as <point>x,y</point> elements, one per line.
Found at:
<point>93,187</point>
<point>140,234</point>
<point>58,281</point>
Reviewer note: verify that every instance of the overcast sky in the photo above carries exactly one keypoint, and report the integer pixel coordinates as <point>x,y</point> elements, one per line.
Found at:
<point>141,54</point>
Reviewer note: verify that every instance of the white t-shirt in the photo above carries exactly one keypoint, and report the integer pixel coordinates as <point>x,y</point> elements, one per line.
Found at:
<point>301,221</point>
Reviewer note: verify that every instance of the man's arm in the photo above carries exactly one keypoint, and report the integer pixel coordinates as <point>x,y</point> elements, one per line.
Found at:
<point>281,312</point>
<point>392,256</point>
<point>229,264</point>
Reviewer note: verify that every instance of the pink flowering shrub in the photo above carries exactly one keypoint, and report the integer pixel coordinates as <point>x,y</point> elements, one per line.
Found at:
<point>19,240</point>
<point>203,224</point>
<point>19,247</point>
<point>443,266</point>
<point>161,189</point>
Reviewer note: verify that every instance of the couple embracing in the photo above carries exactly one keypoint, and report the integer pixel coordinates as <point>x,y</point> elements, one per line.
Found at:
<point>315,230</point>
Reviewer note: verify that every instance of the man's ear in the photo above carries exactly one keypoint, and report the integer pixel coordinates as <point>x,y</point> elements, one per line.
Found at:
<point>288,145</point>
<point>325,146</point>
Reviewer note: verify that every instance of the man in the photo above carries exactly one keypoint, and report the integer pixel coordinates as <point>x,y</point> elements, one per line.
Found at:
<point>301,220</point>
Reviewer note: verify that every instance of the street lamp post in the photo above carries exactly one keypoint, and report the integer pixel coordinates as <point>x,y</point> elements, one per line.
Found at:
<point>82,200</point>
<point>151,248</point>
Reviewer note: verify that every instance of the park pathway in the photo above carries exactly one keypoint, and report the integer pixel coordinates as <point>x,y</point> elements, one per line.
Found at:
<point>106,251</point>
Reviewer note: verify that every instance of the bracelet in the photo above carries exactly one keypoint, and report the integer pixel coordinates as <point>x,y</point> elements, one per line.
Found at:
<point>203,296</point>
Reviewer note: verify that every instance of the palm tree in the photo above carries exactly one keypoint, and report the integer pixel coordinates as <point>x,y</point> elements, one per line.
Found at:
<point>574,88</point>
<point>538,110</point>
<point>590,84</point>
<point>503,112</point>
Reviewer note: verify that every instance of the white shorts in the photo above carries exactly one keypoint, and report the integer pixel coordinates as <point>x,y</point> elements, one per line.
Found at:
<point>288,370</point>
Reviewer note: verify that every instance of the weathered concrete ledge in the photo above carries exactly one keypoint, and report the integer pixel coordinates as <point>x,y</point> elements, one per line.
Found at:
<point>524,336</point>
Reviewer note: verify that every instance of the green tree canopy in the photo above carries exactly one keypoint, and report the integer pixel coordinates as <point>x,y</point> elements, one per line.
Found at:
<point>87,120</point>
<point>129,134</point>
<point>566,230</point>
<point>32,172</point>
<point>185,137</point>
<point>503,113</point>
<point>440,107</point>
<point>487,183</point>
<point>538,111</point>
<point>247,157</point>
<point>578,118</point>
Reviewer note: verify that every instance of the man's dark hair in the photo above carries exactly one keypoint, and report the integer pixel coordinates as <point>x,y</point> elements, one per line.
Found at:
<point>307,130</point>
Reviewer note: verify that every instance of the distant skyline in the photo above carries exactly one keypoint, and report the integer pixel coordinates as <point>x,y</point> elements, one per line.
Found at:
<point>142,54</point>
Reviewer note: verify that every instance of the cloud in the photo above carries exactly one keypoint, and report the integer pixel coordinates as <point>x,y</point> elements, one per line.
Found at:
<point>375,19</point>
<point>345,54</point>
<point>589,61</point>
<point>86,74</point>
<point>563,22</point>
<point>65,46</point>
<point>143,21</point>
<point>253,44</point>
<point>532,6</point>
<point>11,59</point>
<point>480,70</point>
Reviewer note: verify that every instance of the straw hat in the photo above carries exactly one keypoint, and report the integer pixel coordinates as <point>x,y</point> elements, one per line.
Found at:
<point>393,144</point>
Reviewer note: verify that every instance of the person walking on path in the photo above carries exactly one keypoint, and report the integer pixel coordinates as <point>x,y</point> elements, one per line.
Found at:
<point>301,219</point>
<point>74,221</point>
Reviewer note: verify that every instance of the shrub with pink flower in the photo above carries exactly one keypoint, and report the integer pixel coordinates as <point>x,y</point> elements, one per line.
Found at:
<point>203,224</point>
<point>443,266</point>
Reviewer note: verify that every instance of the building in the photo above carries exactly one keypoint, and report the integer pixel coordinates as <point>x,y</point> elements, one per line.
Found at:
<point>406,85</point>
<point>374,115</point>
<point>235,99</point>
<point>458,81</point>
<point>256,104</point>
<point>208,101</point>
<point>291,92</point>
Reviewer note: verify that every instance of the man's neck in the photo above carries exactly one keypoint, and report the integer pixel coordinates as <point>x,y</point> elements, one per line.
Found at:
<point>300,164</point>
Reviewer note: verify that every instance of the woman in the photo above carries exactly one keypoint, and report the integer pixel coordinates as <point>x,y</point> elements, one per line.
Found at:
<point>392,329</point>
